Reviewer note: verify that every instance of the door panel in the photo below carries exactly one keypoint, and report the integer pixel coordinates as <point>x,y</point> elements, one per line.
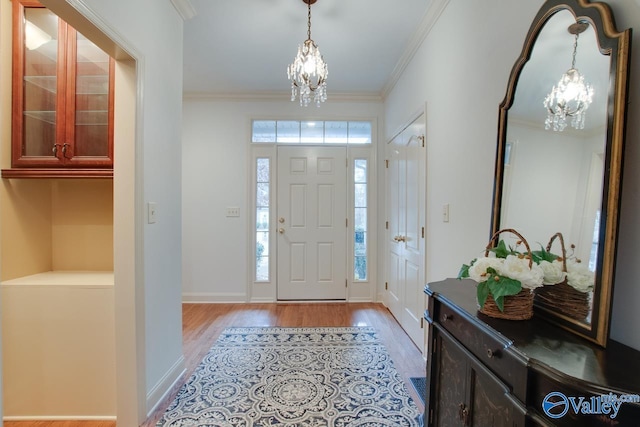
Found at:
<point>312,208</point>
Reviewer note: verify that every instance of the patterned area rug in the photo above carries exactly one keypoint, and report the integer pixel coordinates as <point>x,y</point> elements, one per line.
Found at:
<point>307,377</point>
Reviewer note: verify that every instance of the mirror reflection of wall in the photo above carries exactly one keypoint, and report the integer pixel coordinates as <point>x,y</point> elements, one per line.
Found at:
<point>553,180</point>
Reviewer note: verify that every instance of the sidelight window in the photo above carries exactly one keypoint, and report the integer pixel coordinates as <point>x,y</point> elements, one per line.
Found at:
<point>263,189</point>
<point>360,219</point>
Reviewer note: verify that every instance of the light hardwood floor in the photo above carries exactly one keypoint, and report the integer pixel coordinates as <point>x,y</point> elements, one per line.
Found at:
<point>203,323</point>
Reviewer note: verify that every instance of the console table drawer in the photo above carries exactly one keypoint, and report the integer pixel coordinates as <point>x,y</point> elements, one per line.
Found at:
<point>489,348</point>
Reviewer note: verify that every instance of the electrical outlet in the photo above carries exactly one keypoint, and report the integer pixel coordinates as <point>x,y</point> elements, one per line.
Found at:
<point>233,212</point>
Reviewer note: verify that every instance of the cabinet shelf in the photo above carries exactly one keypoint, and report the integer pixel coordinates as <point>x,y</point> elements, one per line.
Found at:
<point>83,118</point>
<point>85,84</point>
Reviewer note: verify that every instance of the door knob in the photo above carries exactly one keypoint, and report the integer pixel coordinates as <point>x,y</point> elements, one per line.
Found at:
<point>281,220</point>
<point>281,230</point>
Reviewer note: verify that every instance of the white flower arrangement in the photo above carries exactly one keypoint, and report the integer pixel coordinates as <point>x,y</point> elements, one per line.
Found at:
<point>503,272</point>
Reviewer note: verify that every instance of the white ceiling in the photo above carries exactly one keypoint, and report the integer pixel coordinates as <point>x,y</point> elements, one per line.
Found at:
<point>242,47</point>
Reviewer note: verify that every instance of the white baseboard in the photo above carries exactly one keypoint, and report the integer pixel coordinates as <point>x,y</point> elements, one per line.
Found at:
<point>213,297</point>
<point>60,418</point>
<point>360,299</point>
<point>262,300</point>
<point>165,385</point>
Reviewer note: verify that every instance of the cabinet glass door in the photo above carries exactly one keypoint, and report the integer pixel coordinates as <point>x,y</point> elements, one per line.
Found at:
<point>42,86</point>
<point>91,99</point>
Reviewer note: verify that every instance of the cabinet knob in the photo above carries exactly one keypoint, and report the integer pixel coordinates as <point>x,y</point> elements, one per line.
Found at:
<point>493,353</point>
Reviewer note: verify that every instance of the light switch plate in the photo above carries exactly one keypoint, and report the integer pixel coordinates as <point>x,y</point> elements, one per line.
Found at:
<point>233,211</point>
<point>152,211</point>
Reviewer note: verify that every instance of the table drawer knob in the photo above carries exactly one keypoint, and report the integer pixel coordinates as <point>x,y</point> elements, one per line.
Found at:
<point>445,317</point>
<point>493,353</point>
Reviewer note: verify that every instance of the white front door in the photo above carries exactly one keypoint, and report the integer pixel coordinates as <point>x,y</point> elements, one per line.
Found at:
<point>312,228</point>
<point>405,238</point>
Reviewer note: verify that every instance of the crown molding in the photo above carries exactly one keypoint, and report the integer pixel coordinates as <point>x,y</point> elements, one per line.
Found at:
<point>276,96</point>
<point>185,9</point>
<point>429,19</point>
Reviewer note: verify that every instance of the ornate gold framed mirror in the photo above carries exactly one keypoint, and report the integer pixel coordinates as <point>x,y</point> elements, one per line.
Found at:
<point>559,157</point>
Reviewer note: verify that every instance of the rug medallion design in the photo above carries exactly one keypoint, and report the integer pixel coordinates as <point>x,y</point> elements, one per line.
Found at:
<point>307,377</point>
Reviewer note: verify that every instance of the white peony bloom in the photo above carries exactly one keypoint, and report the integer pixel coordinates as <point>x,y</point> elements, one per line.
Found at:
<point>552,272</point>
<point>580,277</point>
<point>478,271</point>
<point>518,269</point>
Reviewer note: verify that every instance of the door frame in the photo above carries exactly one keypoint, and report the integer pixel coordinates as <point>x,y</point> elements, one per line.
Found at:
<point>357,291</point>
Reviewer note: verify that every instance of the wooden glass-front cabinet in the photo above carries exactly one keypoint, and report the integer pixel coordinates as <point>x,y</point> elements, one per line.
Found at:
<point>62,98</point>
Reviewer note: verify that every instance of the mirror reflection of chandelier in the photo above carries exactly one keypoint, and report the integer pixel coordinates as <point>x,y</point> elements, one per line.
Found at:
<point>308,72</point>
<point>571,97</point>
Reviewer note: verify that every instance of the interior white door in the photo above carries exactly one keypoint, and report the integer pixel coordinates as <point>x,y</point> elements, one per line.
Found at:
<point>406,239</point>
<point>312,227</point>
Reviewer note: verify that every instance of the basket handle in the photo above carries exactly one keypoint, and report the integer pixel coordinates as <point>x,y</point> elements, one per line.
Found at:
<point>512,231</point>
<point>562,246</point>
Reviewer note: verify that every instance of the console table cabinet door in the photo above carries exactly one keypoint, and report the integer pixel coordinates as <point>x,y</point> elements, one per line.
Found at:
<point>466,392</point>
<point>62,94</point>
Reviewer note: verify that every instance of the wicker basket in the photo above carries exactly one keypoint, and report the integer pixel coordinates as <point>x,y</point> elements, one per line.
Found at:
<point>518,306</point>
<point>562,297</point>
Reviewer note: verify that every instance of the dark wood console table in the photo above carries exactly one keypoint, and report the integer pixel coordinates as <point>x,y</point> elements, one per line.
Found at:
<point>487,372</point>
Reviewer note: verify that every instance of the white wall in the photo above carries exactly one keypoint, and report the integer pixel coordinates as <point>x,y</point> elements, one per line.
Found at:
<point>461,72</point>
<point>152,31</point>
<point>215,161</point>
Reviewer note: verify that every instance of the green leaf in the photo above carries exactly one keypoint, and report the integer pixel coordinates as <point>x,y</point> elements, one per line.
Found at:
<point>482,293</point>
<point>543,255</point>
<point>500,286</point>
<point>503,286</point>
<point>464,270</point>
<point>501,250</point>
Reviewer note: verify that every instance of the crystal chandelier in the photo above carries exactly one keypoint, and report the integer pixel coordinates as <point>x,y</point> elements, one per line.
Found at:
<point>308,72</point>
<point>571,97</point>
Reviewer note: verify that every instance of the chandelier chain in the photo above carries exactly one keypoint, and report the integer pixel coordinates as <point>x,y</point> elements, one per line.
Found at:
<point>309,21</point>
<point>575,51</point>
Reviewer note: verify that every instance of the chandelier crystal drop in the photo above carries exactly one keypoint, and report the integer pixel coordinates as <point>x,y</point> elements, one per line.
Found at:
<point>571,97</point>
<point>308,72</point>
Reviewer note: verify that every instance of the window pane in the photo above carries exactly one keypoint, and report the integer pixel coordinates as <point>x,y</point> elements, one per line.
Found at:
<point>312,132</point>
<point>360,245</point>
<point>335,132</point>
<point>288,132</point>
<point>262,269</point>
<point>262,194</point>
<point>360,171</point>
<point>360,199</point>
<point>264,131</point>
<point>262,219</point>
<point>262,170</point>
<point>360,268</point>
<point>361,219</point>
<point>262,246</point>
<point>359,132</point>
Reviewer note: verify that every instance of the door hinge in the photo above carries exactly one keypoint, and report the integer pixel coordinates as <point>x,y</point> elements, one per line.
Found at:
<point>422,323</point>
<point>346,283</point>
<point>430,415</point>
<point>421,137</point>
<point>386,162</point>
<point>346,162</point>
<point>386,286</point>
<point>387,225</point>
<point>346,222</point>
<point>423,232</point>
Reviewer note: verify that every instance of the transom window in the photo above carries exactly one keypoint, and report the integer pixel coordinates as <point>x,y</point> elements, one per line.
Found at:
<point>311,132</point>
